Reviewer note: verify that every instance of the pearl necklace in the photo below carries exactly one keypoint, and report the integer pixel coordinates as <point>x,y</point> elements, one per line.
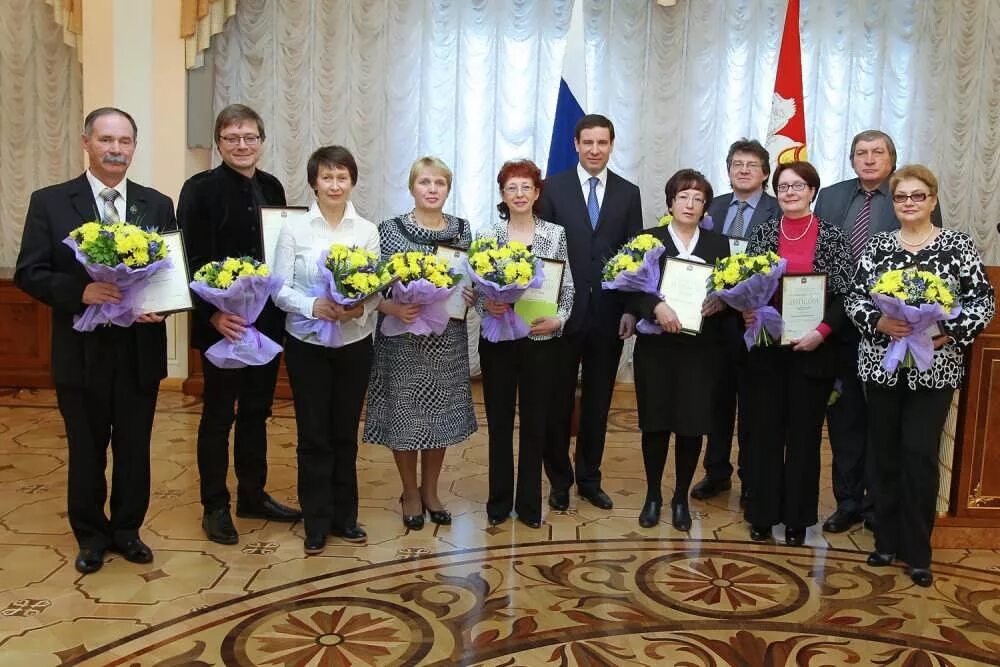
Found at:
<point>902,241</point>
<point>804,231</point>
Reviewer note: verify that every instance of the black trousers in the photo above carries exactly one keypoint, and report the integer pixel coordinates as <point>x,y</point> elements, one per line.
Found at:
<point>904,429</point>
<point>252,389</point>
<point>847,422</point>
<point>521,372</point>
<point>328,389</point>
<point>787,407</point>
<point>113,407</point>
<point>598,354</point>
<point>730,399</point>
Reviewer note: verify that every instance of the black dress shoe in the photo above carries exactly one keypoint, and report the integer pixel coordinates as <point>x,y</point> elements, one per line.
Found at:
<point>598,499</point>
<point>876,559</point>
<point>921,576</point>
<point>89,560</point>
<point>760,533</point>
<point>411,521</point>
<point>134,551</point>
<point>530,523</point>
<point>840,521</point>
<point>218,526</point>
<point>650,514</point>
<point>314,543</point>
<point>559,500</point>
<point>709,488</point>
<point>680,515</point>
<point>268,508</point>
<point>350,534</point>
<point>441,517</point>
<point>794,537</point>
<point>496,519</point>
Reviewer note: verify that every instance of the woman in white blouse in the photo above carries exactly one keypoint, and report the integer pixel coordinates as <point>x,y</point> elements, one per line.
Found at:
<point>328,384</point>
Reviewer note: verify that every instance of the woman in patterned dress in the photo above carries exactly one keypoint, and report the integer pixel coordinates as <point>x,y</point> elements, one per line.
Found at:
<point>907,408</point>
<point>790,385</point>
<point>521,371</point>
<point>419,398</point>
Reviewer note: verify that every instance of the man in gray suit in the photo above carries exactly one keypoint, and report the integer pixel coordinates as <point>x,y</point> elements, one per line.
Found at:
<point>862,207</point>
<point>736,215</point>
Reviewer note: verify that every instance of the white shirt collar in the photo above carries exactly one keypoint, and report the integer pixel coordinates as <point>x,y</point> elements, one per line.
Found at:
<point>585,176</point>
<point>350,214</point>
<point>684,252</point>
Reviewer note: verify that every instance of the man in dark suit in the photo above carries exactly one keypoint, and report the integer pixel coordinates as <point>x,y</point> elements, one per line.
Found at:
<point>600,211</point>
<point>219,212</point>
<point>735,215</point>
<point>107,379</point>
<point>860,206</point>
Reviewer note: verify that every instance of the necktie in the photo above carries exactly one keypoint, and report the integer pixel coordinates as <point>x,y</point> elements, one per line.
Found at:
<point>108,196</point>
<point>736,229</point>
<point>859,235</point>
<point>592,206</point>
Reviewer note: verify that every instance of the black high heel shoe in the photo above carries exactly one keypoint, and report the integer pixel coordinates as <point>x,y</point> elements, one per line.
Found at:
<point>441,517</point>
<point>413,522</point>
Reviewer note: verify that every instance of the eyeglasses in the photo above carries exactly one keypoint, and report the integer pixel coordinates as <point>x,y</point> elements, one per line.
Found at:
<point>740,164</point>
<point>917,197</point>
<point>798,186</point>
<point>235,139</point>
<point>688,199</point>
<point>519,189</point>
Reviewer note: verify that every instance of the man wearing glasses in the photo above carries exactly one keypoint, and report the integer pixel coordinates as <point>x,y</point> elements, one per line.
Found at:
<point>860,206</point>
<point>735,215</point>
<point>218,211</point>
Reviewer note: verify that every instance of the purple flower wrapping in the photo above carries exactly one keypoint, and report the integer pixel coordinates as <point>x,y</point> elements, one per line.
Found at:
<point>919,344</point>
<point>645,279</point>
<point>246,297</point>
<point>754,294</point>
<point>131,283</point>
<point>707,223</point>
<point>432,318</point>
<point>328,333</point>
<point>509,326</point>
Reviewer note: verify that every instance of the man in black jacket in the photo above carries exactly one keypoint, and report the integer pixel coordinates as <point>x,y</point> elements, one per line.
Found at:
<point>600,210</point>
<point>107,379</point>
<point>219,212</point>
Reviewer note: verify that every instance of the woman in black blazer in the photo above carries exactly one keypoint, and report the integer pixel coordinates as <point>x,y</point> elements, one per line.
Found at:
<point>790,385</point>
<point>676,373</point>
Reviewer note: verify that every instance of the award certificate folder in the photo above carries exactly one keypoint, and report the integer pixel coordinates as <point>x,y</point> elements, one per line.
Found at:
<point>271,220</point>
<point>803,304</point>
<point>684,286</point>
<point>167,291</point>
<point>456,258</point>
<point>542,301</point>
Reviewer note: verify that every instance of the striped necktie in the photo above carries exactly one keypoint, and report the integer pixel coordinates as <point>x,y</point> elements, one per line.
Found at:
<point>736,229</point>
<point>859,235</point>
<point>108,197</point>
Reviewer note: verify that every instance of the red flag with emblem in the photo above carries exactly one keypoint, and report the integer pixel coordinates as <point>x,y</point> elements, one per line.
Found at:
<point>786,131</point>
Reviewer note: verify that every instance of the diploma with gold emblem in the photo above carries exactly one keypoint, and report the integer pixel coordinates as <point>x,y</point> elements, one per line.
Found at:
<point>683,286</point>
<point>455,258</point>
<point>803,304</point>
<point>271,220</point>
<point>167,291</point>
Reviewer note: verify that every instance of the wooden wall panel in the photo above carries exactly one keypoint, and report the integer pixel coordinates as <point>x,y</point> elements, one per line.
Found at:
<point>25,338</point>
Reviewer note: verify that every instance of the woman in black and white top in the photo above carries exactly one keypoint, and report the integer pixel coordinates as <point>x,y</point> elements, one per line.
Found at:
<point>521,369</point>
<point>907,407</point>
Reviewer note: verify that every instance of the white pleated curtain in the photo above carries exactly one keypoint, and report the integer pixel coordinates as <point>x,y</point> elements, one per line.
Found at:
<point>40,113</point>
<point>475,83</point>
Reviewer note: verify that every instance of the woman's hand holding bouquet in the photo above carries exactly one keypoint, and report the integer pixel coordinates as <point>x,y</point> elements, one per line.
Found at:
<point>503,273</point>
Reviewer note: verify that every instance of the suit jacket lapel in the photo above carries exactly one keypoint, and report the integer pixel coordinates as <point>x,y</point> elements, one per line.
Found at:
<point>82,199</point>
<point>609,195</point>
<point>135,199</point>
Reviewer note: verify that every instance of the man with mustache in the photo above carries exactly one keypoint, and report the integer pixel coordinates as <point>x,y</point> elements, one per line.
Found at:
<point>107,379</point>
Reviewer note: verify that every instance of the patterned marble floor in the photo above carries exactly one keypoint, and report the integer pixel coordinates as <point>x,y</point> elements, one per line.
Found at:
<point>587,588</point>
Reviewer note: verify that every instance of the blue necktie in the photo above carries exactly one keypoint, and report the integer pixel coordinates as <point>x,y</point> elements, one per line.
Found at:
<point>592,206</point>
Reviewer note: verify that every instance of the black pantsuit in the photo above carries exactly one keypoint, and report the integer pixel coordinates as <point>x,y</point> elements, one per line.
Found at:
<point>113,406</point>
<point>905,427</point>
<point>846,421</point>
<point>731,396</point>
<point>252,389</point>
<point>787,404</point>
<point>328,389</point>
<point>517,371</point>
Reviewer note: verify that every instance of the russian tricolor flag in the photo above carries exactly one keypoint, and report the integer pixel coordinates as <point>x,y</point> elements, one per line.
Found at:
<point>572,97</point>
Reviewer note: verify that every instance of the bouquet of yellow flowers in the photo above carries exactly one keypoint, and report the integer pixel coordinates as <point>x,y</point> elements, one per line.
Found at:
<point>424,279</point>
<point>747,283</point>
<point>503,273</point>
<point>238,286</point>
<point>921,299</point>
<point>122,254</point>
<point>636,268</point>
